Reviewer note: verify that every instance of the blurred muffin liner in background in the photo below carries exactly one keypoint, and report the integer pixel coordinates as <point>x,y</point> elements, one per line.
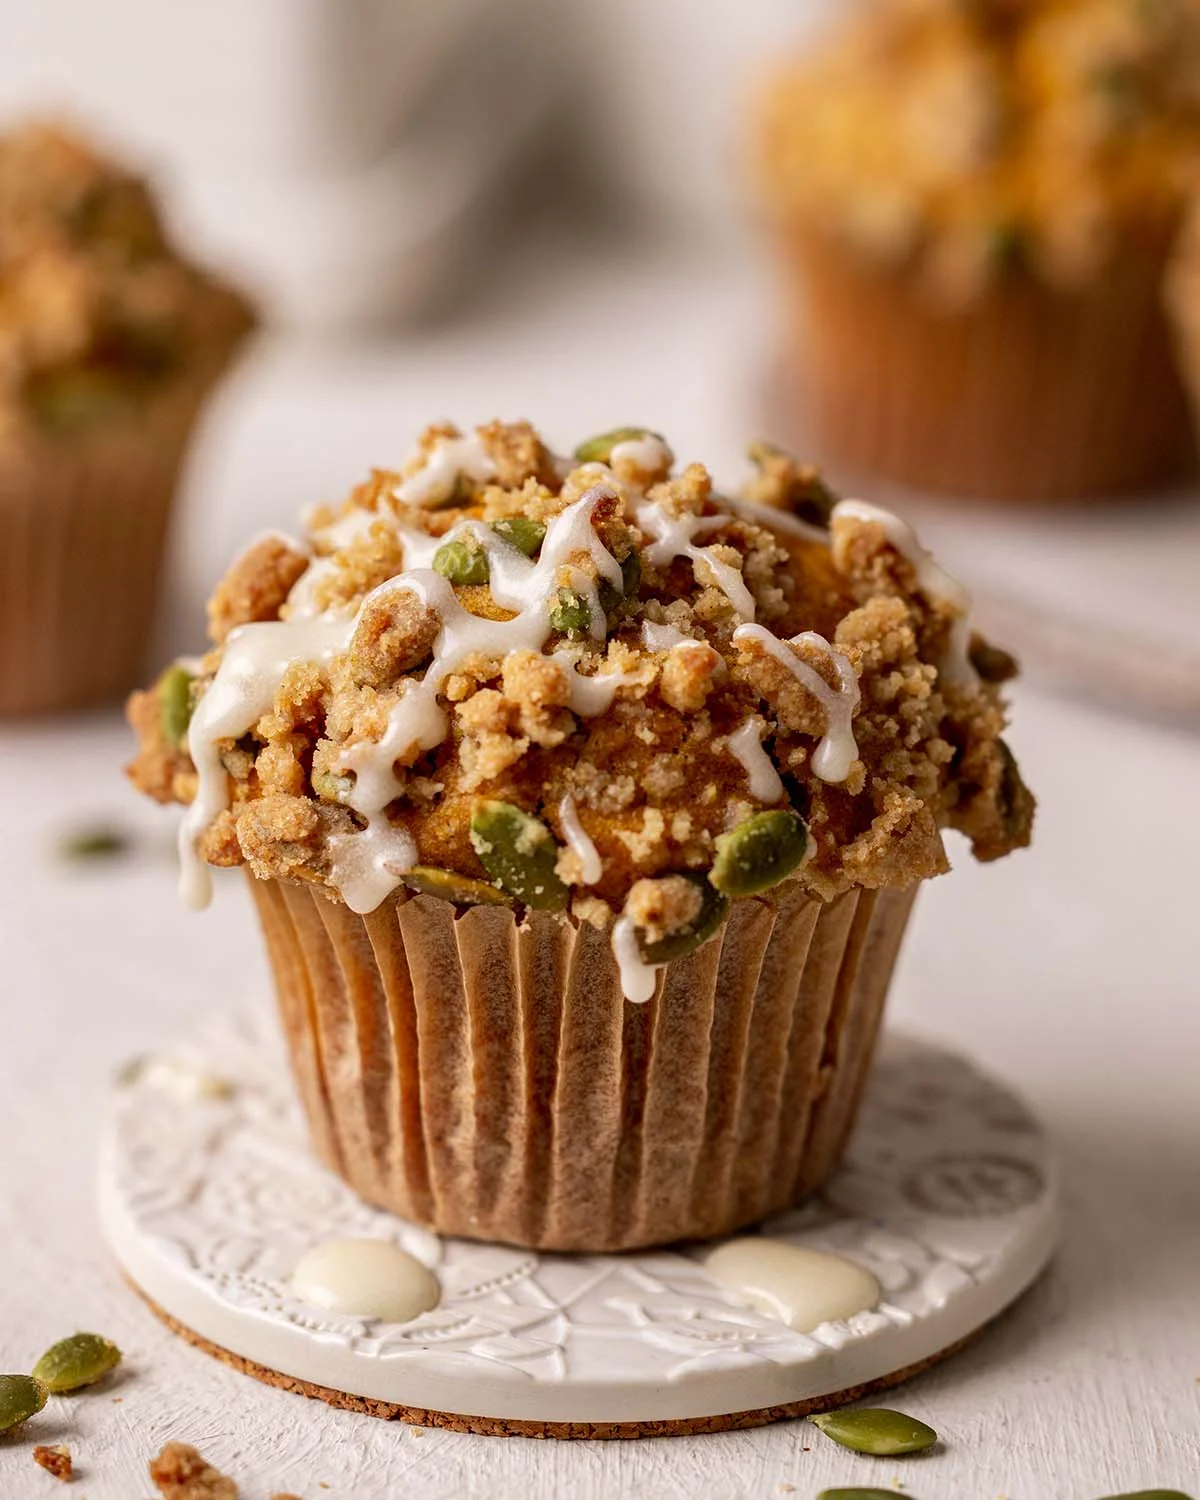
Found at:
<point>109,345</point>
<point>974,208</point>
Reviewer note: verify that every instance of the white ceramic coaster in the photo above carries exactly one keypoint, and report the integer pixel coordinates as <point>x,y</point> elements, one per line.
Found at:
<point>210,1196</point>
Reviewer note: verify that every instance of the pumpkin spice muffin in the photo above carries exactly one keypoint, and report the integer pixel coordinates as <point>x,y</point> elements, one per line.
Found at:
<point>973,205</point>
<point>109,343</point>
<point>509,741</point>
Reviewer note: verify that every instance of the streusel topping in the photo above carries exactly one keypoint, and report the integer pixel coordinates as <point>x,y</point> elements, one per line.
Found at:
<point>592,684</point>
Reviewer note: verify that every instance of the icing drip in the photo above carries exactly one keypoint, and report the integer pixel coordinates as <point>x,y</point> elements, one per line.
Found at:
<point>675,536</point>
<point>801,1287</point>
<point>579,843</point>
<point>745,745</point>
<point>436,481</point>
<point>243,690</point>
<point>932,579</point>
<point>638,978</point>
<point>837,750</point>
<point>366,1279</point>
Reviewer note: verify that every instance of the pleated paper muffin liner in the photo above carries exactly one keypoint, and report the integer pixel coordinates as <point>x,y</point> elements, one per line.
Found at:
<point>1027,392</point>
<point>486,1077</point>
<point>83,525</point>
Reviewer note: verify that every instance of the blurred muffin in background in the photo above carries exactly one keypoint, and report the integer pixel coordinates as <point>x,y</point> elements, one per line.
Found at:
<point>975,201</point>
<point>109,343</point>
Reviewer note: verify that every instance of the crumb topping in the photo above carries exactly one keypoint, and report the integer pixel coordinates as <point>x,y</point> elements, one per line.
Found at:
<point>971,138</point>
<point>570,678</point>
<point>98,314</point>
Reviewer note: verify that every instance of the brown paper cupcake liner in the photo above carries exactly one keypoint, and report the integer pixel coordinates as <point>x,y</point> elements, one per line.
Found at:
<point>1028,392</point>
<point>487,1078</point>
<point>83,523</point>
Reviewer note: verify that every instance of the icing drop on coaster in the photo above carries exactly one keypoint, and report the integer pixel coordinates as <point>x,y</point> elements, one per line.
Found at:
<point>802,1288</point>
<point>366,1279</point>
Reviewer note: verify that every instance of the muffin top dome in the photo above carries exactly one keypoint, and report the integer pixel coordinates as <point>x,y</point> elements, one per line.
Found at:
<point>972,134</point>
<point>98,314</point>
<point>591,684</point>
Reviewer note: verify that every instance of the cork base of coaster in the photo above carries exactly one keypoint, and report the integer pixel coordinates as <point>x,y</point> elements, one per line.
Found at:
<point>420,1416</point>
<point>210,1196</point>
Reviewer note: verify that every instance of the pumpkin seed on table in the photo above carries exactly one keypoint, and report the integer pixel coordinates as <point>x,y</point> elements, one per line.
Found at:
<point>862,1494</point>
<point>570,614</point>
<point>21,1397</point>
<point>94,843</point>
<point>459,563</point>
<point>759,853</point>
<point>448,885</point>
<point>1150,1495</point>
<point>520,532</point>
<point>519,853</point>
<point>175,703</point>
<point>598,449</point>
<point>75,1362</point>
<point>713,906</point>
<point>875,1430</point>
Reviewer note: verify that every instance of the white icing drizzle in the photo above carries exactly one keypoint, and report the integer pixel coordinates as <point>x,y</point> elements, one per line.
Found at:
<point>243,690</point>
<point>675,536</point>
<point>579,842</point>
<point>362,1278</point>
<point>417,721</point>
<point>837,750</point>
<point>745,745</point>
<point>801,1287</point>
<point>435,482</point>
<point>664,637</point>
<point>778,519</point>
<point>647,452</point>
<point>932,579</point>
<point>638,978</point>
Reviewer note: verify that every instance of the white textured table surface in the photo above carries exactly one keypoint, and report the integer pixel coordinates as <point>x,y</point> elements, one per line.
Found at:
<point>1071,970</point>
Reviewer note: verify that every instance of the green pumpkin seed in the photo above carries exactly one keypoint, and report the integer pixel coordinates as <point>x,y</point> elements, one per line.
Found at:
<point>631,577</point>
<point>570,614</point>
<point>520,532</point>
<point>427,880</point>
<point>519,853</point>
<point>991,662</point>
<point>598,450</point>
<point>713,906</point>
<point>21,1397</point>
<point>94,843</point>
<point>861,1494</point>
<point>759,853</point>
<point>73,1363</point>
<point>875,1430</point>
<point>175,704</point>
<point>461,563</point>
<point>808,496</point>
<point>331,786</point>
<point>68,401</point>
<point>1007,248</point>
<point>1150,1495</point>
<point>1014,800</point>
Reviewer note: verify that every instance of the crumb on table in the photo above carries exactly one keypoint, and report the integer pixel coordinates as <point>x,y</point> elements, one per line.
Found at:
<point>182,1473</point>
<point>56,1460</point>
